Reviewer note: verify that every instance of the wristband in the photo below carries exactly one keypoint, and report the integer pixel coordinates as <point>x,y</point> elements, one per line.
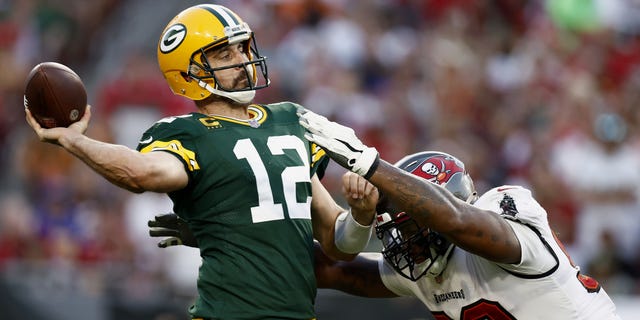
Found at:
<point>351,236</point>
<point>366,162</point>
<point>373,167</point>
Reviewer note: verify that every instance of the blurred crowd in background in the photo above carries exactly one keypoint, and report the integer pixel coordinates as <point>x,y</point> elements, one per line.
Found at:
<point>544,94</point>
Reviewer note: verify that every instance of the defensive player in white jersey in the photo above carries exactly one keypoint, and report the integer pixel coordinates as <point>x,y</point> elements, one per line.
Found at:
<point>452,282</point>
<point>464,257</point>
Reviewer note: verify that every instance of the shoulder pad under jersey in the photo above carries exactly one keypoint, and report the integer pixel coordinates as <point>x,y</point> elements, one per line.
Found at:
<point>514,203</point>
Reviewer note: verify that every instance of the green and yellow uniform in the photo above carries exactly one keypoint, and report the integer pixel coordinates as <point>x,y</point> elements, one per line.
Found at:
<point>248,204</point>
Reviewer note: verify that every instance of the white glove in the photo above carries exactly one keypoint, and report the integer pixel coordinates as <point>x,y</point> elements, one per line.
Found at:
<point>340,143</point>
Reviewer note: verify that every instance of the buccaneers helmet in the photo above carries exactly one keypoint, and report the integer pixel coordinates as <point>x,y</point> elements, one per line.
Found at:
<point>413,250</point>
<point>194,31</point>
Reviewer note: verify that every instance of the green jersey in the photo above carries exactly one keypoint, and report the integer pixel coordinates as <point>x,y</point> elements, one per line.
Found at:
<point>248,204</point>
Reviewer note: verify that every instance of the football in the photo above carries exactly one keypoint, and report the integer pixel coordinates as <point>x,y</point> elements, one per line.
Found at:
<point>55,95</point>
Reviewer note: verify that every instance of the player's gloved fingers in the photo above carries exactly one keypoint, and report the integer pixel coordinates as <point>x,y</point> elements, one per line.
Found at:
<point>321,140</point>
<point>311,137</point>
<point>302,117</point>
<point>154,224</point>
<point>167,217</point>
<point>169,242</point>
<point>162,224</point>
<point>164,232</point>
<point>313,122</point>
<point>309,126</point>
<point>322,126</point>
<point>304,123</point>
<point>167,220</point>
<point>301,111</point>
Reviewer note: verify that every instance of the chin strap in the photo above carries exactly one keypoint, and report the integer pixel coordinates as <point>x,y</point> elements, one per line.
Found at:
<point>242,97</point>
<point>440,263</point>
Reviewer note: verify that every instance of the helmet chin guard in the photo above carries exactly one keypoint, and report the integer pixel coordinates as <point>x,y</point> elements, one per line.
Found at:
<point>413,250</point>
<point>242,97</point>
<point>440,262</point>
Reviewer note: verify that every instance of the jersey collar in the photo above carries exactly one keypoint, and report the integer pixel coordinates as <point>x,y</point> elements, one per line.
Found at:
<point>257,112</point>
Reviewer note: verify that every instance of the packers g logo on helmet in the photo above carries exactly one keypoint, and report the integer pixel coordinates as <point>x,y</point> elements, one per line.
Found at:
<point>193,32</point>
<point>172,38</point>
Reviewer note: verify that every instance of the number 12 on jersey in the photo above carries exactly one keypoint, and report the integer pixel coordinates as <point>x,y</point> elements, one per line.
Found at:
<point>267,209</point>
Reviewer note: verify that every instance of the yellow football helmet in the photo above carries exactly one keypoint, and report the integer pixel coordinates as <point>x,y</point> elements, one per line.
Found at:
<point>182,47</point>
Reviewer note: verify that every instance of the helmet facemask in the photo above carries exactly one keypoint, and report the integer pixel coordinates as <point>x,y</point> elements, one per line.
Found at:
<point>200,70</point>
<point>413,250</point>
<point>410,249</point>
<point>200,29</point>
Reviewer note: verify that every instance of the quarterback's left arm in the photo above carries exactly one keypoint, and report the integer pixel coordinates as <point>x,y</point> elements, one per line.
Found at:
<point>343,233</point>
<point>360,276</point>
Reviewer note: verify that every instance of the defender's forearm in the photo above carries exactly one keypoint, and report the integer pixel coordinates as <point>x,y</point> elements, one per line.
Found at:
<point>478,231</point>
<point>428,203</point>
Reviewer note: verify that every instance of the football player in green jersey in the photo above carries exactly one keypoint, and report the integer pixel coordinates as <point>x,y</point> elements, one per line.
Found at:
<point>241,175</point>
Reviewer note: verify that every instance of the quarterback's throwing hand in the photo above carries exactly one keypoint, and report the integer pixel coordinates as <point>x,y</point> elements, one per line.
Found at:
<point>340,143</point>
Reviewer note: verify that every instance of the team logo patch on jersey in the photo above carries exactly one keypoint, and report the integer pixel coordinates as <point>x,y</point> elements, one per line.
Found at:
<point>508,206</point>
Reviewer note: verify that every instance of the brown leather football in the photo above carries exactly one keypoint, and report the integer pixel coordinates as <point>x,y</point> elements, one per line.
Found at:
<point>55,95</point>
